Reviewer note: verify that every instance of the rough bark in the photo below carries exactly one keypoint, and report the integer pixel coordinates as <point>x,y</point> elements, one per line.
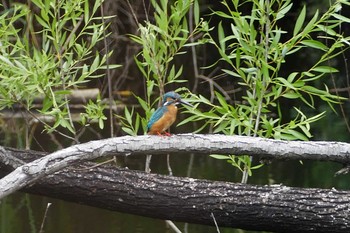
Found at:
<point>264,148</point>
<point>269,208</point>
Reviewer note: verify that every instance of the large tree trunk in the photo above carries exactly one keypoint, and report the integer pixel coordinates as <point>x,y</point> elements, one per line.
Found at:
<point>270,208</point>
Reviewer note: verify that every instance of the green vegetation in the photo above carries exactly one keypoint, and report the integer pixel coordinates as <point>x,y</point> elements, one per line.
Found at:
<point>161,42</point>
<point>52,51</point>
<point>254,52</point>
<point>50,61</point>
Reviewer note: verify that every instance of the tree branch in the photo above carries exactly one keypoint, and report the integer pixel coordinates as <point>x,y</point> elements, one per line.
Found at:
<point>270,208</point>
<point>238,145</point>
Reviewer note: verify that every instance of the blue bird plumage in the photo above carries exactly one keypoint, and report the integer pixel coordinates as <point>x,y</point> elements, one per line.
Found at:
<point>156,116</point>
<point>165,115</point>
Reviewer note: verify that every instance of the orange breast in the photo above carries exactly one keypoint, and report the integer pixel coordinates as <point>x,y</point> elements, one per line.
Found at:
<point>165,121</point>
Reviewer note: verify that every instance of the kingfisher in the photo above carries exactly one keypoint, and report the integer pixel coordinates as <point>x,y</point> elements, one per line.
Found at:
<point>165,116</point>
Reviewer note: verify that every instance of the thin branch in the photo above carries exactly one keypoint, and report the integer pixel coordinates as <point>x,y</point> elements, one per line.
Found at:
<point>263,89</point>
<point>170,171</point>
<point>193,49</point>
<point>108,72</point>
<point>133,12</point>
<point>347,81</point>
<point>44,218</point>
<point>173,226</point>
<point>216,224</point>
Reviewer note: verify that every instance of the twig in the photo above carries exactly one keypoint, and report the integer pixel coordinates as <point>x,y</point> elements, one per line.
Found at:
<point>71,34</point>
<point>44,218</point>
<point>114,159</point>
<point>148,163</point>
<point>193,50</point>
<point>263,90</point>
<point>216,224</point>
<point>213,83</point>
<point>173,226</point>
<point>343,171</point>
<point>108,72</point>
<point>190,165</point>
<point>61,71</point>
<point>133,13</point>
<point>146,12</point>
<point>45,124</point>
<point>347,82</point>
<point>168,165</point>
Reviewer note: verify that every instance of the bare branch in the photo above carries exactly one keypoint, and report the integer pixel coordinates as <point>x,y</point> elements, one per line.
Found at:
<point>274,208</point>
<point>238,145</point>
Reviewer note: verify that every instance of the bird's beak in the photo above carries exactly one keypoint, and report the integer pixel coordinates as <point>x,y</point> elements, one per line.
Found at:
<point>185,103</point>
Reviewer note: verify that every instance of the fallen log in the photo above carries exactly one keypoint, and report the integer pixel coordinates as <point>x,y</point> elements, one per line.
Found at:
<point>270,208</point>
<point>196,143</point>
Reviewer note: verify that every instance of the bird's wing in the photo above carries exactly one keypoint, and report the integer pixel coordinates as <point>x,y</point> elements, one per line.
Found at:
<point>156,116</point>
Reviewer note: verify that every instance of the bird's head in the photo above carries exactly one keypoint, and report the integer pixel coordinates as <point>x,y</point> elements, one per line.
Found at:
<point>172,97</point>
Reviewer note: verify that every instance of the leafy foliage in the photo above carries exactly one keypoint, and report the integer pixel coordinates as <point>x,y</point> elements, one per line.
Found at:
<point>254,52</point>
<point>51,61</point>
<point>161,42</point>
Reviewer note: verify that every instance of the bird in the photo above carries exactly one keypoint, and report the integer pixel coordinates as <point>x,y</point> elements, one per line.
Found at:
<point>165,115</point>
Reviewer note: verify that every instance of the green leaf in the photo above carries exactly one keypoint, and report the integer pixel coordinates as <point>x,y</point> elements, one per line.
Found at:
<point>257,166</point>
<point>327,29</point>
<point>216,156</point>
<point>315,44</point>
<point>39,3</point>
<point>95,63</point>
<point>6,60</point>
<point>42,22</point>
<point>189,119</point>
<point>221,36</point>
<point>305,131</point>
<point>128,115</point>
<point>137,123</point>
<point>128,131</point>
<point>325,69</point>
<point>314,90</point>
<point>283,11</point>
<point>86,12</point>
<point>300,21</point>
<point>291,95</point>
<point>292,76</point>
<point>299,83</point>
<point>100,123</point>
<point>222,100</point>
<point>297,135</point>
<point>341,18</point>
<point>232,73</point>
<point>143,103</point>
<point>196,11</point>
<point>311,24</point>
<point>286,83</point>
<point>47,103</point>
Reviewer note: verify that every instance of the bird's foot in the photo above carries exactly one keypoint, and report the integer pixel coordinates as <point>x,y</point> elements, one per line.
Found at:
<point>166,134</point>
